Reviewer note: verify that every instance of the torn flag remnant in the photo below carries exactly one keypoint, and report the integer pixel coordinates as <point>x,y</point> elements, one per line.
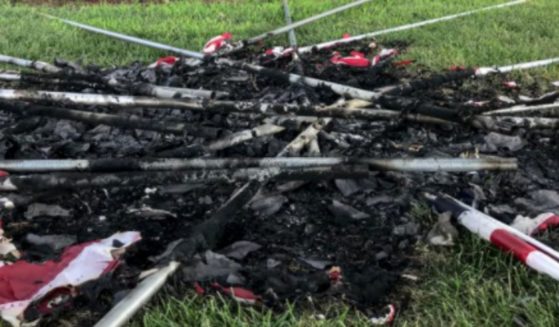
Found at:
<point>50,285</point>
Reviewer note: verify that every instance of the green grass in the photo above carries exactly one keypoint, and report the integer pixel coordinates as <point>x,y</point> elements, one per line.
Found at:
<point>505,36</point>
<point>469,285</point>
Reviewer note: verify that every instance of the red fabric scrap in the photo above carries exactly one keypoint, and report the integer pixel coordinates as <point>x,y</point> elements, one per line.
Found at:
<point>216,43</point>
<point>384,54</point>
<point>356,59</point>
<point>199,289</point>
<point>279,52</point>
<point>239,294</point>
<point>403,63</point>
<point>49,284</point>
<point>455,68</point>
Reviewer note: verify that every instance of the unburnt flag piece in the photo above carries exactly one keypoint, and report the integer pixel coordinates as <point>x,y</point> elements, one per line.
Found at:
<point>536,225</point>
<point>528,250</point>
<point>355,59</point>
<point>164,61</point>
<point>217,43</point>
<point>48,286</point>
<point>384,54</point>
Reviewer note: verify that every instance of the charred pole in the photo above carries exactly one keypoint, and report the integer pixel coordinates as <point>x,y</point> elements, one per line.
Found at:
<point>164,164</point>
<point>126,101</point>
<point>42,182</point>
<point>38,65</point>
<point>102,118</point>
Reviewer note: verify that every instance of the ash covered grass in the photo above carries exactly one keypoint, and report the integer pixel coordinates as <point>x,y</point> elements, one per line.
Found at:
<point>471,284</point>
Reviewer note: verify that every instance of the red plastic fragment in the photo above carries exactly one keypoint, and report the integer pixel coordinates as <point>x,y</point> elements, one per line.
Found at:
<point>552,221</point>
<point>346,36</point>
<point>510,243</point>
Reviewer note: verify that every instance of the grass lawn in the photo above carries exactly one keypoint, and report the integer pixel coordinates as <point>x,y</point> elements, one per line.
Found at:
<point>469,285</point>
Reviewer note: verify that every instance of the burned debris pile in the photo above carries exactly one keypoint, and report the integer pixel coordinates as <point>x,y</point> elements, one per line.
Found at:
<point>265,175</point>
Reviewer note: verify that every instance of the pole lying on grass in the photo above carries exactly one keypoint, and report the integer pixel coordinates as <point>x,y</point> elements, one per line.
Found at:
<point>164,164</point>
<point>340,89</point>
<point>253,40</point>
<point>329,44</point>
<point>131,39</point>
<point>527,249</point>
<point>548,108</point>
<point>40,182</point>
<point>205,235</point>
<point>521,66</point>
<point>507,124</point>
<point>439,79</point>
<point>38,65</point>
<point>121,313</point>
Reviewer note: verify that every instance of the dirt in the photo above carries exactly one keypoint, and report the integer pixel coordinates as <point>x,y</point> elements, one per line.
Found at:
<point>373,252</point>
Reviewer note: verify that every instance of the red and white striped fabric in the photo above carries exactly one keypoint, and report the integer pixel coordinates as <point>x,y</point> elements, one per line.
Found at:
<point>279,52</point>
<point>164,61</point>
<point>216,43</point>
<point>384,54</point>
<point>528,250</point>
<point>530,226</point>
<point>49,284</point>
<point>356,59</point>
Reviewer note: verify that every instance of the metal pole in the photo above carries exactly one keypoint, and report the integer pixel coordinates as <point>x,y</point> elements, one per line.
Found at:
<point>39,65</point>
<point>138,297</point>
<point>548,108</point>
<point>165,164</point>
<point>520,66</point>
<point>329,44</point>
<point>131,39</point>
<point>289,21</point>
<point>297,24</point>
